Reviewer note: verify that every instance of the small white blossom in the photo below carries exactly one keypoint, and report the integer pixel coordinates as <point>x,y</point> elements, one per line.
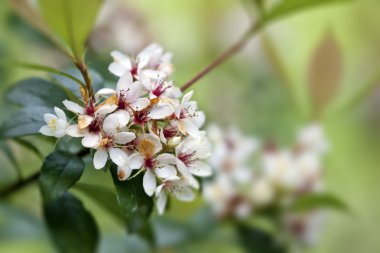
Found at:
<point>55,124</point>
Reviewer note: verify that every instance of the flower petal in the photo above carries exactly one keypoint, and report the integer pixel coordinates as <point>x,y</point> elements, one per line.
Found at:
<point>48,117</point>
<point>124,137</point>
<point>140,104</point>
<point>105,109</point>
<point>161,202</point>
<point>183,168</point>
<point>74,107</point>
<point>135,161</point>
<point>84,121</point>
<point>161,111</point>
<point>100,158</point>
<point>200,169</point>
<point>124,82</point>
<point>149,183</point>
<point>183,193</point>
<point>117,69</point>
<point>166,159</point>
<point>60,113</point>
<point>165,171</point>
<point>123,172</point>
<point>91,140</point>
<point>105,91</point>
<point>74,131</point>
<point>46,130</point>
<point>118,156</point>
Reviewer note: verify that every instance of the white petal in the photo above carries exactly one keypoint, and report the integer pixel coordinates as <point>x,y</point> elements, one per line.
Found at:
<point>100,158</point>
<point>200,169</point>
<point>183,168</point>
<point>49,117</point>
<point>135,161</point>
<point>122,59</point>
<point>123,116</point>
<point>149,183</point>
<point>123,172</point>
<point>159,189</point>
<point>166,171</point>
<point>59,133</point>
<point>199,119</point>
<point>106,91</point>
<point>60,113</point>
<point>74,131</point>
<point>184,193</point>
<point>111,124</point>
<point>46,130</point>
<point>118,156</point>
<point>117,69</point>
<point>84,121</point>
<point>161,202</point>
<point>140,104</point>
<point>91,140</point>
<point>105,109</point>
<point>190,127</point>
<point>74,107</point>
<point>187,97</point>
<point>161,111</point>
<point>167,159</point>
<point>124,82</point>
<point>124,137</point>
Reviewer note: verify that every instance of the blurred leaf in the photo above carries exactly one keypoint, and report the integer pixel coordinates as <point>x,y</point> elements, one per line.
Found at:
<point>9,154</point>
<point>36,92</point>
<point>325,72</point>
<point>59,172</point>
<point>136,206</point>
<point>288,7</point>
<point>69,145</point>
<point>72,20</point>
<point>25,121</point>
<point>28,145</point>
<point>71,226</point>
<point>319,200</point>
<point>96,80</point>
<point>105,197</point>
<point>256,241</point>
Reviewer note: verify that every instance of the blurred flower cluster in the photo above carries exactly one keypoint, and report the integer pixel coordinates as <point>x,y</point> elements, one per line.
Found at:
<point>254,179</point>
<point>141,125</point>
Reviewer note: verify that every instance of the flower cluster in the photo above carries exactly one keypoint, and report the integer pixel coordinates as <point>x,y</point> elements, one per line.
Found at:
<point>279,177</point>
<point>142,125</point>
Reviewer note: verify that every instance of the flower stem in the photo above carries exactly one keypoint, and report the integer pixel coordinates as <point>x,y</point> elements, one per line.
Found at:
<point>225,56</point>
<point>82,67</point>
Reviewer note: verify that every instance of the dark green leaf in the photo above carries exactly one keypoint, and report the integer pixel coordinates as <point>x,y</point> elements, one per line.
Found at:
<point>29,145</point>
<point>26,121</point>
<point>105,197</point>
<point>71,20</point>
<point>71,226</point>
<point>319,200</point>
<point>4,146</point>
<point>288,7</point>
<point>135,204</point>
<point>257,241</point>
<point>59,172</point>
<point>36,92</point>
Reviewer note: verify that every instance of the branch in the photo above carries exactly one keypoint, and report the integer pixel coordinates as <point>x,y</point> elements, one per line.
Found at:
<point>226,55</point>
<point>19,185</point>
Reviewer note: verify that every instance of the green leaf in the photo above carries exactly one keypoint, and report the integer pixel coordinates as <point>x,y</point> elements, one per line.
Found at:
<point>26,121</point>
<point>4,146</point>
<point>103,196</point>
<point>288,7</point>
<point>257,241</point>
<point>71,226</point>
<point>319,200</point>
<point>135,204</point>
<point>28,145</point>
<point>36,92</point>
<point>72,20</point>
<point>59,172</point>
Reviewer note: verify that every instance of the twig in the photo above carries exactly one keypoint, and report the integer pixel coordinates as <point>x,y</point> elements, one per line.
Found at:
<point>19,185</point>
<point>225,56</point>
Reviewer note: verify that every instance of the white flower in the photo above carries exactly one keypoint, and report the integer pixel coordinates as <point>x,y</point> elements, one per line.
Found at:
<point>179,188</point>
<point>191,154</point>
<point>161,166</point>
<point>128,94</point>
<point>89,122</point>
<point>262,192</point>
<point>189,118</point>
<point>151,60</point>
<point>157,110</point>
<point>112,136</point>
<point>55,125</point>
<point>159,87</point>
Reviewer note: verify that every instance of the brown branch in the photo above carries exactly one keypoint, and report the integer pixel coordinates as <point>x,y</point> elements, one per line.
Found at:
<point>19,185</point>
<point>224,56</point>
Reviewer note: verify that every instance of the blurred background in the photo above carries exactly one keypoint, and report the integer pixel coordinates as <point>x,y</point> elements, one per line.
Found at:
<point>264,90</point>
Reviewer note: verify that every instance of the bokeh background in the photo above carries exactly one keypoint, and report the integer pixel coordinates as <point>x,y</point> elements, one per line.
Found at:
<point>264,90</point>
